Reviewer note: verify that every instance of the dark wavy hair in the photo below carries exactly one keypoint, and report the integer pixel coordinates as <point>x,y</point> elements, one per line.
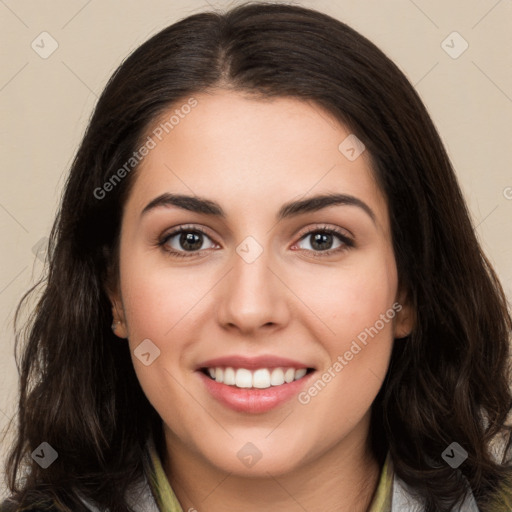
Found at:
<point>448,381</point>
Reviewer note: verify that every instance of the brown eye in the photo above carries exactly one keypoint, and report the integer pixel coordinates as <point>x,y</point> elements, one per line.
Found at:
<point>185,240</point>
<point>320,241</point>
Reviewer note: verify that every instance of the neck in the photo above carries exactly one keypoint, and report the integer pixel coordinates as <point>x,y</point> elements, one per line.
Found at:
<point>342,479</point>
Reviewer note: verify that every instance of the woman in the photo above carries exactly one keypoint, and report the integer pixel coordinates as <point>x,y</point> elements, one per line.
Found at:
<point>265,292</point>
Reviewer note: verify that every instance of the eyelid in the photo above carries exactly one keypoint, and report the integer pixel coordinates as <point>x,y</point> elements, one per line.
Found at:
<point>325,227</point>
<point>347,240</point>
<point>163,239</point>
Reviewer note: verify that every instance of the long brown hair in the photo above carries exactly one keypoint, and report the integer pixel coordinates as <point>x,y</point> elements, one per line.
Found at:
<point>447,382</point>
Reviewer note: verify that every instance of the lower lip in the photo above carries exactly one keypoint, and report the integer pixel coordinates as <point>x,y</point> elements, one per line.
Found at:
<point>253,400</point>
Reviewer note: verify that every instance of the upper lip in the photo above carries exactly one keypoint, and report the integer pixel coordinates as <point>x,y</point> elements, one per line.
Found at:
<point>252,363</point>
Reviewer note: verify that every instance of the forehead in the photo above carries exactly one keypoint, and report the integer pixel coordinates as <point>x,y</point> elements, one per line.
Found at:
<point>255,154</point>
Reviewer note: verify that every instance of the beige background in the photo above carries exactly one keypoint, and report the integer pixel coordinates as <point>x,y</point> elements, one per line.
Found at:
<point>45,105</point>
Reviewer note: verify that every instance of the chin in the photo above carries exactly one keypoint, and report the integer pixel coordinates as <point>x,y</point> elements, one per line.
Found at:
<point>253,459</point>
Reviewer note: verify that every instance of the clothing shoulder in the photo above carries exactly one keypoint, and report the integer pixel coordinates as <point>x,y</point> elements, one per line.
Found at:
<point>503,499</point>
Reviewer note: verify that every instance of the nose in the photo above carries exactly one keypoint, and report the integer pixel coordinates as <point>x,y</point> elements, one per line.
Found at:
<point>252,297</point>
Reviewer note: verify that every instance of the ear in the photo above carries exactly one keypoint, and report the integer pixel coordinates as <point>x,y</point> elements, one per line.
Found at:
<point>113,292</point>
<point>119,327</point>
<point>405,319</point>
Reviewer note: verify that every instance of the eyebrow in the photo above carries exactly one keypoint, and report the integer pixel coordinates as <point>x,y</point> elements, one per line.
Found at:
<point>206,206</point>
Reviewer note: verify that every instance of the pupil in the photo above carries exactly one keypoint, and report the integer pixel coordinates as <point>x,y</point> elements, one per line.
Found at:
<point>188,243</point>
<point>321,238</point>
<point>192,241</point>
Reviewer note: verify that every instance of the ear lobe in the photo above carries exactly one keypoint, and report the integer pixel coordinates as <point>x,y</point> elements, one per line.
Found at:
<point>118,319</point>
<point>405,319</point>
<point>112,290</point>
<point>118,316</point>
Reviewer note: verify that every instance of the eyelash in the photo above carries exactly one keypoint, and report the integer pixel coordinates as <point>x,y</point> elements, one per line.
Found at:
<point>346,241</point>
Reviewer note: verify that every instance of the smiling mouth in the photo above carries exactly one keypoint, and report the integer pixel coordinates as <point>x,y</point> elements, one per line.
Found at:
<point>261,378</point>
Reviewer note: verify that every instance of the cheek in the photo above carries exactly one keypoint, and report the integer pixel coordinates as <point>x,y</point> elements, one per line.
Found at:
<point>351,299</point>
<point>158,302</point>
<point>156,297</point>
<point>356,305</point>
<point>360,315</point>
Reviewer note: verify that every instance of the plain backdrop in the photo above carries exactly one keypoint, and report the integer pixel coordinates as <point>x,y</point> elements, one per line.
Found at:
<point>46,99</point>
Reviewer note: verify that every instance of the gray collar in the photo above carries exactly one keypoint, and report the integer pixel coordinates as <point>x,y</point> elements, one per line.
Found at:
<point>138,496</point>
<point>404,501</point>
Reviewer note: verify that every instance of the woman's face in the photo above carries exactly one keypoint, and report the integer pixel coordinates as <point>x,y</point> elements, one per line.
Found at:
<point>275,284</point>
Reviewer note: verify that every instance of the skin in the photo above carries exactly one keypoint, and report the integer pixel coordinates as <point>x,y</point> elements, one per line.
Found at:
<point>252,156</point>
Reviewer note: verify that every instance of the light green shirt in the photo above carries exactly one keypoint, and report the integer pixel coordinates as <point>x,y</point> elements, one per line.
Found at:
<point>153,493</point>
<point>391,494</point>
<point>167,502</point>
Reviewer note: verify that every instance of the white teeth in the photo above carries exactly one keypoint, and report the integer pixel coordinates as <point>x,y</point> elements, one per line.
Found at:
<point>229,377</point>
<point>289,375</point>
<point>277,377</point>
<point>243,378</point>
<point>261,378</point>
<point>300,373</point>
